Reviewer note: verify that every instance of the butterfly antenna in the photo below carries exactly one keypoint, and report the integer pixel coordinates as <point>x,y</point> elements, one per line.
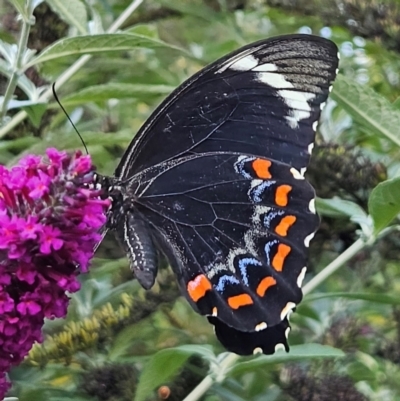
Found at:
<point>53,87</point>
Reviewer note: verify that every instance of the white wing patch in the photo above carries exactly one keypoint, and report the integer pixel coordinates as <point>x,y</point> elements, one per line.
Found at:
<point>297,175</point>
<point>267,67</point>
<point>311,206</point>
<point>244,64</point>
<point>301,276</point>
<point>308,239</point>
<point>296,100</point>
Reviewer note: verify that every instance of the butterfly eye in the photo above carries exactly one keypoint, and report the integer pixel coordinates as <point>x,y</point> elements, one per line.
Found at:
<point>214,182</point>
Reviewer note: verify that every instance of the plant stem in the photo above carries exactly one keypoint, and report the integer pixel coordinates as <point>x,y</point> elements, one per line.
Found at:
<point>334,265</point>
<point>209,380</point>
<point>67,74</point>
<point>230,359</point>
<point>18,67</point>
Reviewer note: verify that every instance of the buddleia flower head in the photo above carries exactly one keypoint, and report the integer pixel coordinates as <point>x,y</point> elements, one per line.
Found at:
<point>49,223</point>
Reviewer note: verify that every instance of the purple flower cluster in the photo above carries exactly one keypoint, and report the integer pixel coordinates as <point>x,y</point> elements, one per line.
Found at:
<point>49,222</point>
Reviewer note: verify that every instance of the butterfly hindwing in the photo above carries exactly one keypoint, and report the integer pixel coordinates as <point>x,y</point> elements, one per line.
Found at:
<point>235,229</point>
<point>266,341</point>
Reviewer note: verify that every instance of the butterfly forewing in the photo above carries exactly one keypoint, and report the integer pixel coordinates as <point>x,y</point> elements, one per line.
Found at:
<point>263,99</point>
<point>217,175</point>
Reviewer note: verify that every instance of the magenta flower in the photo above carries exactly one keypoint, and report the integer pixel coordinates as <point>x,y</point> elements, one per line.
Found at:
<point>49,222</point>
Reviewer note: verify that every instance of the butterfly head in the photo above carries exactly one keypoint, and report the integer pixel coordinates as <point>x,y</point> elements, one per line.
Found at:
<point>109,186</point>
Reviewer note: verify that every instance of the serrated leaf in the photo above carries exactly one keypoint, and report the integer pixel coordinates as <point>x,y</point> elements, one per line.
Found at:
<point>160,368</point>
<point>384,203</point>
<point>107,42</point>
<point>303,352</point>
<point>378,298</point>
<point>368,108</point>
<point>108,91</point>
<point>73,12</point>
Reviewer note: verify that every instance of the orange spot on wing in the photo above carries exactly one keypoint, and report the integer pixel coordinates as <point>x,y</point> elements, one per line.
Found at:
<point>283,227</point>
<point>281,195</point>
<point>239,300</point>
<point>198,287</point>
<point>265,283</point>
<point>280,256</point>
<point>261,168</point>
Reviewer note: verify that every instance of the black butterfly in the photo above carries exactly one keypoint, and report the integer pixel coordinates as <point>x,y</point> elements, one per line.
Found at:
<point>214,181</point>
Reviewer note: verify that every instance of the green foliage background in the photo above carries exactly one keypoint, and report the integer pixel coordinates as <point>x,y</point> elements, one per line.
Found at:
<point>122,343</point>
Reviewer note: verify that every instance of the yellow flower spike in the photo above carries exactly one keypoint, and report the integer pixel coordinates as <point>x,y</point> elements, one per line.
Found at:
<point>85,334</point>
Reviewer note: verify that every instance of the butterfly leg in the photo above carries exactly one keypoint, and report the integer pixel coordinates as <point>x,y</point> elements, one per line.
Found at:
<point>134,236</point>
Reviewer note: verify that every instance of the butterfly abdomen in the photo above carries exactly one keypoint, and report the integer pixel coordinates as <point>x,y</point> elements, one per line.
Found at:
<point>134,235</point>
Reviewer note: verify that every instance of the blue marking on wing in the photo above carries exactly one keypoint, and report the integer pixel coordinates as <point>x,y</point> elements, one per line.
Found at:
<point>220,287</point>
<point>239,167</point>
<point>267,249</point>
<point>259,189</point>
<point>243,264</point>
<point>270,216</point>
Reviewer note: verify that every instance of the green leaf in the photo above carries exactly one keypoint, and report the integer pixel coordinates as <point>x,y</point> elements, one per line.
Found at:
<point>297,353</point>
<point>162,366</point>
<point>396,103</point>
<point>384,203</point>
<point>108,42</point>
<point>20,6</point>
<point>108,91</point>
<point>35,113</point>
<point>193,9</point>
<point>73,12</point>
<point>148,30</point>
<point>378,298</point>
<point>23,81</point>
<point>337,207</point>
<point>368,108</point>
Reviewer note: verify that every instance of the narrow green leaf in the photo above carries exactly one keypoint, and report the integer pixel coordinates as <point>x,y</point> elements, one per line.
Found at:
<point>337,207</point>
<point>384,203</point>
<point>396,103</point>
<point>35,113</point>
<point>148,30</point>
<point>297,353</point>
<point>20,6</point>
<point>23,81</point>
<point>205,351</point>
<point>108,91</point>
<point>368,108</point>
<point>90,44</point>
<point>193,9</point>
<point>73,12</point>
<point>160,368</point>
<point>378,298</point>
